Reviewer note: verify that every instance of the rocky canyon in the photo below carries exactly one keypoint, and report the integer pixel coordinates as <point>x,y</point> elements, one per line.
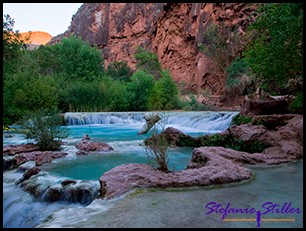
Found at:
<point>173,31</point>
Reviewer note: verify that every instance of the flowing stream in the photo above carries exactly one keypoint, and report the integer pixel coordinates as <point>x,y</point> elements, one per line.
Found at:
<point>182,207</point>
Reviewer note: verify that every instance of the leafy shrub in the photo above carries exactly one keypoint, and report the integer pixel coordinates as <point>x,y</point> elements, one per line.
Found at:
<point>157,147</point>
<point>157,152</point>
<point>239,119</point>
<point>297,104</point>
<point>186,141</point>
<point>45,128</point>
<point>148,61</point>
<point>119,70</point>
<point>164,95</point>
<point>139,89</point>
<point>193,105</point>
<point>228,141</point>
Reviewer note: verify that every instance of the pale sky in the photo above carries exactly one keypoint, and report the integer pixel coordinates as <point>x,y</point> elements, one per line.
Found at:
<point>53,18</point>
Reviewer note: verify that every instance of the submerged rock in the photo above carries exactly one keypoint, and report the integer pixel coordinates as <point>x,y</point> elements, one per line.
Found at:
<point>27,174</point>
<point>26,166</point>
<point>27,152</point>
<point>85,146</point>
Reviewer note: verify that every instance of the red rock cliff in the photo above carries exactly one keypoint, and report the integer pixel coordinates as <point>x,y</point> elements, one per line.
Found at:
<point>172,30</point>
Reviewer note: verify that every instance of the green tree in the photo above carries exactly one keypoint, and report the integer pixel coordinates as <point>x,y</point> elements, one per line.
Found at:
<point>47,59</point>
<point>44,126</point>
<point>36,92</point>
<point>148,62</point>
<point>139,90</point>
<point>86,96</point>
<point>118,96</point>
<point>164,95</point>
<point>13,44</point>
<point>240,80</point>
<point>119,70</point>
<point>79,60</point>
<point>275,55</point>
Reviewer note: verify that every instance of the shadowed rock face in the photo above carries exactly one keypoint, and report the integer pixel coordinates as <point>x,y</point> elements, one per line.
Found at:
<point>172,30</point>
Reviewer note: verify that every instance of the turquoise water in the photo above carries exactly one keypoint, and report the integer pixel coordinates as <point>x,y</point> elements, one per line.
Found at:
<point>147,208</point>
<point>185,207</point>
<point>120,131</point>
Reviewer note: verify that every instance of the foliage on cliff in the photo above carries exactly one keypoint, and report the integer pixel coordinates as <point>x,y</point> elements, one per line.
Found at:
<point>268,56</point>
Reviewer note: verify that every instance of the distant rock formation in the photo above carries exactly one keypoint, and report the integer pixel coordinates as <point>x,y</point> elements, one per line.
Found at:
<point>36,38</point>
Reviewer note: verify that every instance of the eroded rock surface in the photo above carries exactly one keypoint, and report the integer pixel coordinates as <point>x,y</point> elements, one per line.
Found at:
<point>40,157</point>
<point>86,146</point>
<point>216,170</point>
<point>14,149</point>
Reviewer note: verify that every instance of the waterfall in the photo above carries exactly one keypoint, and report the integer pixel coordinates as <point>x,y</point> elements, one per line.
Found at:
<point>204,121</point>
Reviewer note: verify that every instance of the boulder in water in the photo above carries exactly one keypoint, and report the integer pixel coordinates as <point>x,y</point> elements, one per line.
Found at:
<point>27,174</point>
<point>85,146</point>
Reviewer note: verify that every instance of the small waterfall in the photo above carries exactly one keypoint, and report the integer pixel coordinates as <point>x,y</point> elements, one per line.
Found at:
<point>20,209</point>
<point>83,118</point>
<point>208,122</point>
<point>50,189</point>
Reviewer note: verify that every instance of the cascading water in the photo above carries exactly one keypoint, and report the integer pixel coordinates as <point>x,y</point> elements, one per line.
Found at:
<point>119,130</point>
<point>206,122</point>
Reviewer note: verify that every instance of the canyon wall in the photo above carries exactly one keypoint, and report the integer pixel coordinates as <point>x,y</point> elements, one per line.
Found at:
<point>172,30</point>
